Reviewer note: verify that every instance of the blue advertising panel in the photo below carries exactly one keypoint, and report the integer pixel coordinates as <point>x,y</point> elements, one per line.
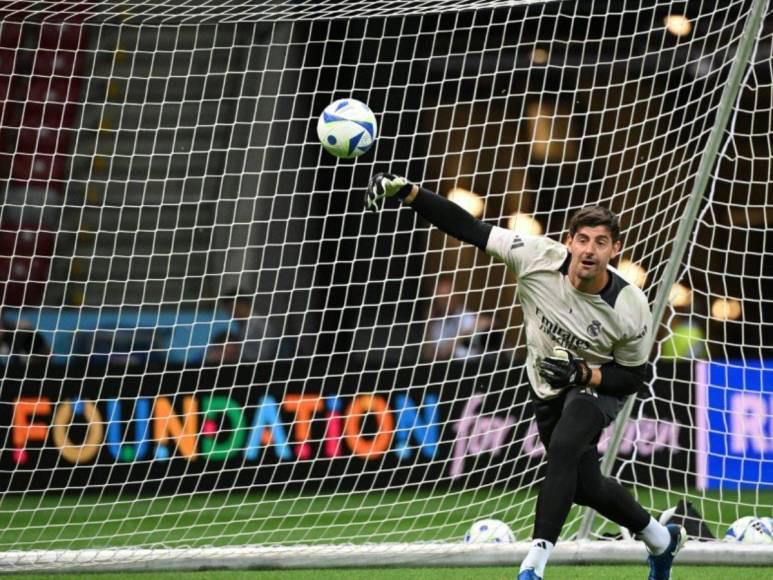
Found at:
<point>735,424</point>
<point>178,336</point>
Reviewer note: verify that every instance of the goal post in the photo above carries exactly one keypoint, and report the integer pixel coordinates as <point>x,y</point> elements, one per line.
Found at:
<point>739,73</point>
<point>211,356</point>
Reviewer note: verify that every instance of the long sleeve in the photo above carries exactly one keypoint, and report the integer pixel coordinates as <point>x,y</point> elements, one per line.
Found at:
<point>451,219</point>
<point>619,381</point>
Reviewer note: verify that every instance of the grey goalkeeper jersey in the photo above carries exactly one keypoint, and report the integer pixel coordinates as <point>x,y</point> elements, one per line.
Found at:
<point>611,326</point>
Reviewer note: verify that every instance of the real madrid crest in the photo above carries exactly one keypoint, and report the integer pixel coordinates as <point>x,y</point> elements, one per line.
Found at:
<point>594,328</point>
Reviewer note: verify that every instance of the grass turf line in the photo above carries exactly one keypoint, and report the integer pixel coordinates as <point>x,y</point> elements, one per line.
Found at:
<point>229,519</point>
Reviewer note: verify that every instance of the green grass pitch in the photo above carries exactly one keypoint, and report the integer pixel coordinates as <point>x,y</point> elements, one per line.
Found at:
<point>222,519</point>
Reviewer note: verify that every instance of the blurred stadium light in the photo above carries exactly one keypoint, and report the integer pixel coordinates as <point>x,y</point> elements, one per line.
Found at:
<point>523,223</point>
<point>678,24</point>
<point>633,272</point>
<point>680,296</point>
<point>468,200</point>
<point>723,309</point>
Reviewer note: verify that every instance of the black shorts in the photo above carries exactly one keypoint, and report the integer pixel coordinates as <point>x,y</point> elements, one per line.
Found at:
<point>548,412</point>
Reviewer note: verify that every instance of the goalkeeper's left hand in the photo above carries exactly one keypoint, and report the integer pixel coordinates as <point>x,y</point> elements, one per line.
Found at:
<point>384,185</point>
<point>563,369</point>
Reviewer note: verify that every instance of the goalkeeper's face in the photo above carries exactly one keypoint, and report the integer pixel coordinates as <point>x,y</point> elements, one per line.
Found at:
<point>592,248</point>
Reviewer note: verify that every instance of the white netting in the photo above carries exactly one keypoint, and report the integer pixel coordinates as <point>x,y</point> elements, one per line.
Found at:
<point>719,319</point>
<point>137,12</point>
<point>210,344</point>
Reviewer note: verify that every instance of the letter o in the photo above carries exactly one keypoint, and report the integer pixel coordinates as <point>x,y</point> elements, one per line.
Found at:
<point>369,448</point>
<point>95,432</point>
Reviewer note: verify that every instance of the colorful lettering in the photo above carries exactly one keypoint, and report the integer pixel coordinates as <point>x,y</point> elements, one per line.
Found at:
<point>25,427</point>
<point>477,435</point>
<point>422,424</point>
<point>60,431</point>
<point>335,428</point>
<point>361,445</point>
<point>116,445</point>
<point>167,425</point>
<point>267,429</point>
<point>221,450</point>
<point>160,428</point>
<point>304,407</point>
<point>748,417</point>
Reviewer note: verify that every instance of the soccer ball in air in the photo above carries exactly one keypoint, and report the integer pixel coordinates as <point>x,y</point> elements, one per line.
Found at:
<point>489,532</point>
<point>347,128</point>
<point>750,530</point>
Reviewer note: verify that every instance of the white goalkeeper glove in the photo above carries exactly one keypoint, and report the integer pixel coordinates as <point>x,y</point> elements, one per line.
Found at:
<point>384,185</point>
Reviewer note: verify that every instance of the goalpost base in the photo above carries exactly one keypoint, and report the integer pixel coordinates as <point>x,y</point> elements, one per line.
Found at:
<point>368,555</point>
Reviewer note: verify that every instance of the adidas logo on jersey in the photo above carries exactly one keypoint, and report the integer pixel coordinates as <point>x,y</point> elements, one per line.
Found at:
<point>517,243</point>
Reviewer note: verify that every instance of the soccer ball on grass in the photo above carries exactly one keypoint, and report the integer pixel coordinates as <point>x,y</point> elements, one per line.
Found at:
<point>489,531</point>
<point>750,530</point>
<point>347,128</point>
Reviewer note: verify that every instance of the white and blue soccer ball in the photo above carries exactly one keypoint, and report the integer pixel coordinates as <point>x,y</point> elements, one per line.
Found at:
<point>489,531</point>
<point>347,128</point>
<point>750,530</point>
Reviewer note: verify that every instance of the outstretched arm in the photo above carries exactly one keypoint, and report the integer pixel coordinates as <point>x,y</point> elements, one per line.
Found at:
<point>437,210</point>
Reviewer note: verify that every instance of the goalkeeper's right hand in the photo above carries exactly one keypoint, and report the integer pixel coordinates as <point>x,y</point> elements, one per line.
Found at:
<point>384,185</point>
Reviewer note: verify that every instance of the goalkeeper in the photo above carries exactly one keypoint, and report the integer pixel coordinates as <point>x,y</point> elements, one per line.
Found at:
<point>587,335</point>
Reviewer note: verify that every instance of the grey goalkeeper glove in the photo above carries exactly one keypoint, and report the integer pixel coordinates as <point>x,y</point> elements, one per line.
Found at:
<point>563,369</point>
<point>384,185</point>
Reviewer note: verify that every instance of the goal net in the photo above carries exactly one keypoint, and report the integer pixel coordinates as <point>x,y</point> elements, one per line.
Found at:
<point>212,356</point>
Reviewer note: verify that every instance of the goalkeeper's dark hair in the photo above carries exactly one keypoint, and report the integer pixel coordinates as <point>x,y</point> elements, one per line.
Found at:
<point>593,216</point>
